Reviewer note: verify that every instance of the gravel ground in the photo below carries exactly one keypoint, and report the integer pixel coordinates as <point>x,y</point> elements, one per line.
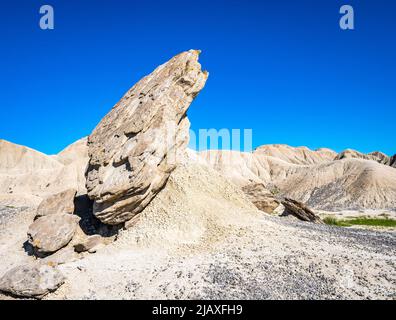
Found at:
<point>7,212</point>
<point>274,258</point>
<point>263,257</point>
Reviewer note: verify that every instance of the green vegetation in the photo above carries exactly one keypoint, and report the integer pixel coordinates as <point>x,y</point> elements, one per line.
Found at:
<point>361,221</point>
<point>275,191</point>
<point>335,222</point>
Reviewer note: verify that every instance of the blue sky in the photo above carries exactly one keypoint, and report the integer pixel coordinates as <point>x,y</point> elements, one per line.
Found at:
<point>282,68</point>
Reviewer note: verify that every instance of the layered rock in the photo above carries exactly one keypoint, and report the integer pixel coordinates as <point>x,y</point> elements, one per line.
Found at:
<point>135,147</point>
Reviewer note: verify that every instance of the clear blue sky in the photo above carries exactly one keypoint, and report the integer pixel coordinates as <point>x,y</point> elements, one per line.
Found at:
<point>283,68</point>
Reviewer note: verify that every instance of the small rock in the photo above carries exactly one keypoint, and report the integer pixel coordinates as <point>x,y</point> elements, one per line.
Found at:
<point>96,248</point>
<point>31,280</point>
<point>89,243</point>
<point>62,202</point>
<point>62,256</point>
<point>300,211</point>
<point>50,233</point>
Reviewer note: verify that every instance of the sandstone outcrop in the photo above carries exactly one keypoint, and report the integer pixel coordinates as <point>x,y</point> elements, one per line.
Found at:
<point>51,233</point>
<point>135,147</point>
<point>31,280</point>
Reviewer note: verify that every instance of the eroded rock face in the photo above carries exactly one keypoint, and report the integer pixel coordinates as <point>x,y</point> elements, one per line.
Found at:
<point>31,280</point>
<point>62,202</point>
<point>51,233</point>
<point>135,147</point>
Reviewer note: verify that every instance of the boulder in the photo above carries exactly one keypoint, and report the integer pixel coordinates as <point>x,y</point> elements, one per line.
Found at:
<point>50,233</point>
<point>62,202</point>
<point>135,147</point>
<point>32,281</point>
<point>261,197</point>
<point>89,243</point>
<point>300,211</point>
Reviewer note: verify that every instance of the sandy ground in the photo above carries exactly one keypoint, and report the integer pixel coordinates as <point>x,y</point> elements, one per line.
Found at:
<point>269,258</point>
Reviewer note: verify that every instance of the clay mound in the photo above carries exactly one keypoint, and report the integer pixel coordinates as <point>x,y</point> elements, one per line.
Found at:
<point>240,167</point>
<point>265,163</point>
<point>19,159</point>
<point>343,184</point>
<point>27,176</point>
<point>348,183</point>
<point>377,156</point>
<point>299,155</point>
<point>197,206</point>
<point>76,152</point>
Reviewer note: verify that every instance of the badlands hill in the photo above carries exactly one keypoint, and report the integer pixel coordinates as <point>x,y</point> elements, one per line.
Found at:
<point>27,176</point>
<point>130,213</point>
<point>321,178</point>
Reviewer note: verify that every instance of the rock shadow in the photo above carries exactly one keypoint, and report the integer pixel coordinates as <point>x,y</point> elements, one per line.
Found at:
<point>89,224</point>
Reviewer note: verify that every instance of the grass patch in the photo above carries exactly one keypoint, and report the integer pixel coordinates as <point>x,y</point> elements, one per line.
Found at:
<point>361,221</point>
<point>335,222</point>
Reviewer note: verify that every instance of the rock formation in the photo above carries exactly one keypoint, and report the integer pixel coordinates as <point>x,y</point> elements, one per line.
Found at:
<point>135,147</point>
